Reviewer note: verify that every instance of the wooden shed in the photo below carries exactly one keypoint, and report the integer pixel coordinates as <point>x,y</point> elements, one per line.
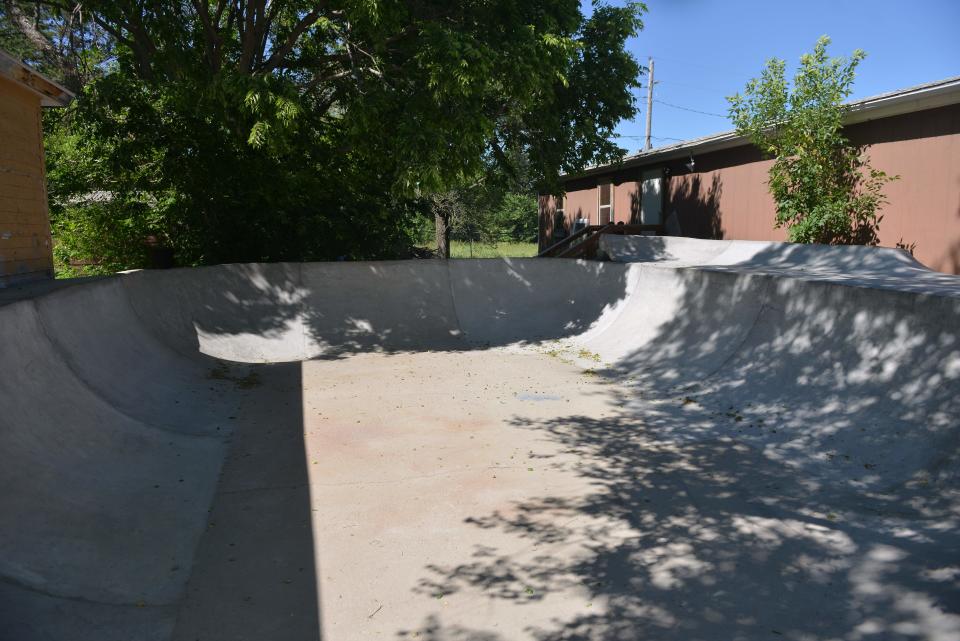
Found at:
<point>26,251</point>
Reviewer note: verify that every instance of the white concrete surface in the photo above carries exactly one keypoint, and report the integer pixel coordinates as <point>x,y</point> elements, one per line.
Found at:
<point>701,440</point>
<point>880,267</point>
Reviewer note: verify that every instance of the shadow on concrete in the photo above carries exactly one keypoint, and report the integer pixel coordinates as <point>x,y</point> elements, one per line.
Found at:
<point>713,540</point>
<point>281,312</point>
<point>874,267</point>
<point>779,460</point>
<point>254,573</point>
<point>115,523</point>
<point>788,473</point>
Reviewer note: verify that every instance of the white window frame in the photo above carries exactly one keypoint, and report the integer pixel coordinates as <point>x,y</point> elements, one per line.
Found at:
<point>600,207</point>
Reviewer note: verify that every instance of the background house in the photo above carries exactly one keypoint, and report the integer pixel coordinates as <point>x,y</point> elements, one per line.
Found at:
<point>26,252</point>
<point>715,187</point>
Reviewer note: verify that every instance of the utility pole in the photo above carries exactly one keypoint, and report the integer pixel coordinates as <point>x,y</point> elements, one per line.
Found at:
<point>649,102</point>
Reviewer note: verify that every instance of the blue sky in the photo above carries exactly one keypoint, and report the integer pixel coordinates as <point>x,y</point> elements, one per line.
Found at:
<point>705,50</point>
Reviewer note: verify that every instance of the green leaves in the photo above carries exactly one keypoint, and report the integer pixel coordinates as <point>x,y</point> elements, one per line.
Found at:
<point>300,130</point>
<point>258,134</point>
<point>824,188</point>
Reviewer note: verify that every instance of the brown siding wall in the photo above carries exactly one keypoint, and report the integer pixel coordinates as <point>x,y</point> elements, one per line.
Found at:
<point>726,195</point>
<point>924,208</point>
<point>25,246</point>
<point>625,199</point>
<point>583,201</point>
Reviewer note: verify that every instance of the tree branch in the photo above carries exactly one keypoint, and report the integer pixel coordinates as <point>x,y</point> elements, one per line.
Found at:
<point>284,50</point>
<point>142,45</point>
<point>248,35</point>
<point>42,43</point>
<point>210,30</point>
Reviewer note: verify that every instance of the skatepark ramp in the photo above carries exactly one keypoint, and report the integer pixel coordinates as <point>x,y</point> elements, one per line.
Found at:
<point>693,440</point>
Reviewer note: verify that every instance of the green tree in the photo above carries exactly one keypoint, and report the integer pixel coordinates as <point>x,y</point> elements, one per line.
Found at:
<point>499,205</point>
<point>257,130</point>
<point>462,213</point>
<point>823,185</point>
<point>514,213</point>
<point>56,40</point>
<point>516,217</point>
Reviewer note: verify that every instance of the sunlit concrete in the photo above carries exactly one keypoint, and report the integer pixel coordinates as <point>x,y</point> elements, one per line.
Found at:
<point>697,441</point>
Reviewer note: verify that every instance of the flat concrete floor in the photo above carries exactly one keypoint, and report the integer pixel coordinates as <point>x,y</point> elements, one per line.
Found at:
<point>503,494</point>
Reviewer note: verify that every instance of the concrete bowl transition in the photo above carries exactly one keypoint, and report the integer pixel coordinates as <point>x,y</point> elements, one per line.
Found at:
<point>694,440</point>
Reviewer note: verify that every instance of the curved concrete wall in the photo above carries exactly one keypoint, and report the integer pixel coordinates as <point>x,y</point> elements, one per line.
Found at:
<point>277,313</point>
<point>110,386</point>
<point>849,348</point>
<point>107,476</point>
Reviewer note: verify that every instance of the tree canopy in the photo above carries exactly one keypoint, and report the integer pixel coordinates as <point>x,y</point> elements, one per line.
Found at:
<point>247,130</point>
<point>824,188</point>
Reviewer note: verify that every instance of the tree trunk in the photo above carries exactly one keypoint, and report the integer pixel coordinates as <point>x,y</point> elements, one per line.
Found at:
<point>442,222</point>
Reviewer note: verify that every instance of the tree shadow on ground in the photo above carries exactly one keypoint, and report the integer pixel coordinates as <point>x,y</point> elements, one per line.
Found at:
<point>875,267</point>
<point>120,519</point>
<point>780,460</point>
<point>787,472</point>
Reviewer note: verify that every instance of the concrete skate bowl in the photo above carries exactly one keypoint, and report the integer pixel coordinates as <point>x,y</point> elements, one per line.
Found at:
<point>484,450</point>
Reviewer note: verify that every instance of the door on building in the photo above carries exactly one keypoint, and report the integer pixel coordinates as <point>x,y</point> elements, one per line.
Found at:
<point>651,197</point>
<point>560,219</point>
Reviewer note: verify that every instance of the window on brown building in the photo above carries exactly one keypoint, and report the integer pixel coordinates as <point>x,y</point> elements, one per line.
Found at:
<point>560,218</point>
<point>606,203</point>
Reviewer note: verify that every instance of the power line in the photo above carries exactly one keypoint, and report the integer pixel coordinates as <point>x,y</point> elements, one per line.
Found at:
<point>652,136</point>
<point>651,83</point>
<point>704,88</point>
<point>708,66</point>
<point>696,111</point>
<point>669,138</point>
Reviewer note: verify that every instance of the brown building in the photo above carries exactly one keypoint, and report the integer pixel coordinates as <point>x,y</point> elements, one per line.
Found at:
<point>715,187</point>
<point>25,246</point>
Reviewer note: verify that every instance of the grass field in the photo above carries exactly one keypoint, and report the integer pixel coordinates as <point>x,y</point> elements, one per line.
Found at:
<point>459,249</point>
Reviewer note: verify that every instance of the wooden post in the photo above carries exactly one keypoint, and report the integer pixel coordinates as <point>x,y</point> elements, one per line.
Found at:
<point>649,104</point>
<point>442,223</point>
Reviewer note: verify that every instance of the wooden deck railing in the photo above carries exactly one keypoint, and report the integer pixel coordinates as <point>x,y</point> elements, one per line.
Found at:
<point>563,244</point>
<point>584,243</point>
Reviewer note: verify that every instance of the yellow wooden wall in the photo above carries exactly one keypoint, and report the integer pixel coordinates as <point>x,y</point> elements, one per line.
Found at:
<point>25,244</point>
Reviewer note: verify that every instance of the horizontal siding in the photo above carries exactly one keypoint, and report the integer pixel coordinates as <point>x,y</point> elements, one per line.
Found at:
<point>25,245</point>
<point>32,248</point>
<point>626,202</point>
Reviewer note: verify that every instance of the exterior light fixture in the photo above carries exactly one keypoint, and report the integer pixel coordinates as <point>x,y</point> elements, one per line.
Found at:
<point>690,165</point>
